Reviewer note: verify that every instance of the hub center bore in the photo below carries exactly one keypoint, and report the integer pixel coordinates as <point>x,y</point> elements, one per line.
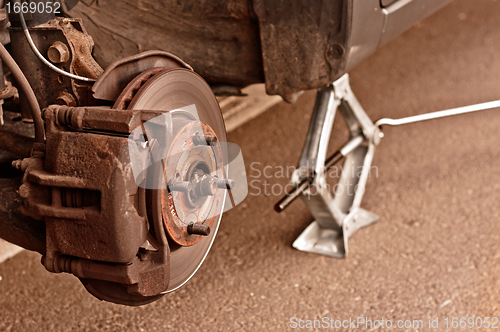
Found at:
<point>203,184</point>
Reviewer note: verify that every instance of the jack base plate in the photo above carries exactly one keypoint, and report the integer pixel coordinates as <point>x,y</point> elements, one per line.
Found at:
<point>329,242</point>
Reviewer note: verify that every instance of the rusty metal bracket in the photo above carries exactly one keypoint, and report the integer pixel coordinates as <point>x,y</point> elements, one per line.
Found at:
<point>66,43</point>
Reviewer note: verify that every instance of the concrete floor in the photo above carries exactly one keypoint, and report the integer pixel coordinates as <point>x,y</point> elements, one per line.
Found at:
<point>8,250</point>
<point>435,252</point>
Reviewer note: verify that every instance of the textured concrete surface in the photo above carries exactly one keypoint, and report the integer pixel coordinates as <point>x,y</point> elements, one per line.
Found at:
<point>435,252</point>
<point>8,250</point>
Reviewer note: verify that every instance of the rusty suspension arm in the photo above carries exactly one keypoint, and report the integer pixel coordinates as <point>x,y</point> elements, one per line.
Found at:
<point>14,226</point>
<point>25,87</point>
<point>16,144</point>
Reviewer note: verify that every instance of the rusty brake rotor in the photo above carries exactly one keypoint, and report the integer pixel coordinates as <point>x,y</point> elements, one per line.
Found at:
<point>194,111</point>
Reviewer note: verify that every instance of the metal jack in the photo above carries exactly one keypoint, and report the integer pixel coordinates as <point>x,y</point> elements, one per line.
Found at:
<point>339,216</point>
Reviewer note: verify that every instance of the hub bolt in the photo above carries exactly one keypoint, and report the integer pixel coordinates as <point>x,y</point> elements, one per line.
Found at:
<point>225,184</point>
<point>197,229</point>
<point>199,139</point>
<point>184,186</point>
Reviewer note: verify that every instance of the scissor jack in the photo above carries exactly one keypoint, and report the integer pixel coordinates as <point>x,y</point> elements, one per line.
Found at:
<point>339,216</point>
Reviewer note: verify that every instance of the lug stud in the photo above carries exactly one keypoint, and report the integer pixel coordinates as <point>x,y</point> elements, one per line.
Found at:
<point>199,139</point>
<point>225,184</point>
<point>183,186</point>
<point>196,229</point>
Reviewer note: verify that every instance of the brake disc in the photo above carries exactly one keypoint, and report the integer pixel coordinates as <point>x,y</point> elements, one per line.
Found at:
<point>172,90</point>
